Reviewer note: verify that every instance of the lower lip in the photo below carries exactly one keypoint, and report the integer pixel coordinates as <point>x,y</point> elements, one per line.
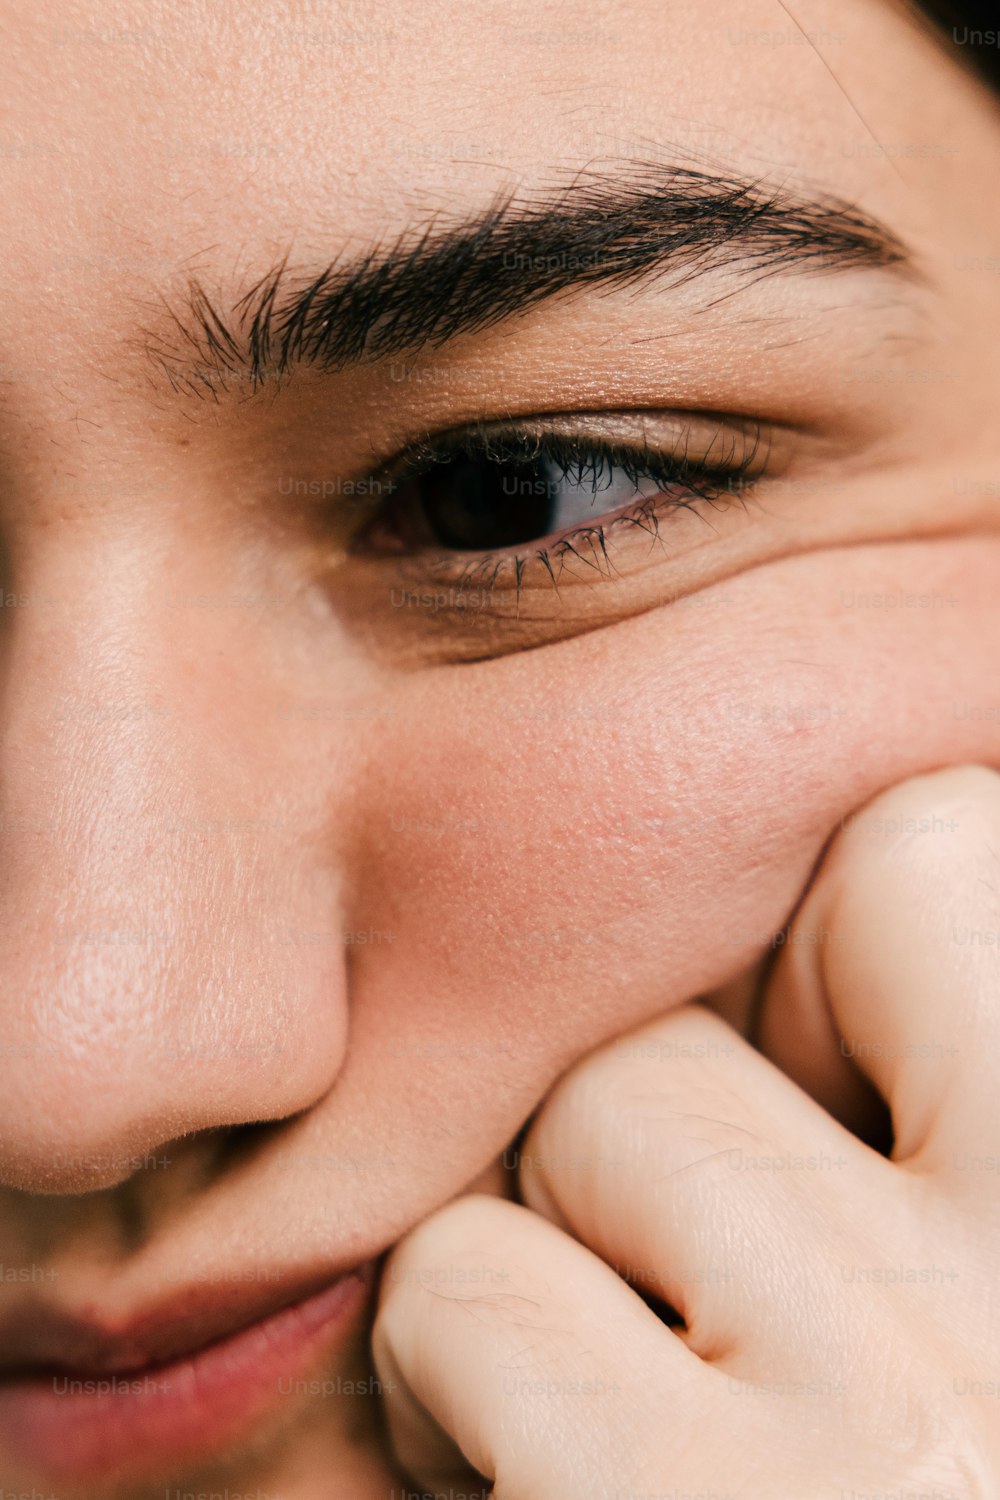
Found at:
<point>160,1416</point>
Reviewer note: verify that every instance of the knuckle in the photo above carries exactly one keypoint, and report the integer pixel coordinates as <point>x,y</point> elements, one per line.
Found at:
<point>949,801</point>
<point>652,1126</point>
<point>661,1099</point>
<point>915,835</point>
<point>461,1253</point>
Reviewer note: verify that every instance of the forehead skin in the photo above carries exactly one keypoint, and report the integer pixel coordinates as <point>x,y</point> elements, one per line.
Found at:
<point>550,844</point>
<point>167,140</point>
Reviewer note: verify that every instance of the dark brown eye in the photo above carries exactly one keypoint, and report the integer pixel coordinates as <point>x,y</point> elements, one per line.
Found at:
<point>491,489</point>
<point>480,503</point>
<point>495,498</point>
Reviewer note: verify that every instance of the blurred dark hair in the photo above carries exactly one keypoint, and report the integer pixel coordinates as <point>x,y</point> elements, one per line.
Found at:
<point>971,29</point>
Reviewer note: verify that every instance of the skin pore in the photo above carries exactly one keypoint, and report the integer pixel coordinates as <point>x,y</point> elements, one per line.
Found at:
<point>297,838</point>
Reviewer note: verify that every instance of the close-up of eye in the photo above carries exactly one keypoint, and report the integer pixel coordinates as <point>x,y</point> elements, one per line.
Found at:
<point>513,519</point>
<point>499,750</point>
<point>557,490</point>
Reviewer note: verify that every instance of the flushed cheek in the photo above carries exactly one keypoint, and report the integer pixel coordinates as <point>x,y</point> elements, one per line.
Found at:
<point>569,840</point>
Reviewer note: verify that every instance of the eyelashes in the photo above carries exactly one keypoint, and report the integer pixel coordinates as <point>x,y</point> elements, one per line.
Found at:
<point>507,505</point>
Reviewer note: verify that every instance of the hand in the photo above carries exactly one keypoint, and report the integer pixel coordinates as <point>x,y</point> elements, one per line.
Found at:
<point>839,1332</point>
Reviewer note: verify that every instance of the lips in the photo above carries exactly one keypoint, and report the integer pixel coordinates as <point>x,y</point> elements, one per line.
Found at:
<point>87,1396</point>
<point>39,1337</point>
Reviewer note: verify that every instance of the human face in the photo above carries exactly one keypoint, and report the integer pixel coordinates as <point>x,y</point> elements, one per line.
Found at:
<point>322,861</point>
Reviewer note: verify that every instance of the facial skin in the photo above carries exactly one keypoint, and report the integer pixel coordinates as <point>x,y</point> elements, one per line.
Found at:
<point>227,743</point>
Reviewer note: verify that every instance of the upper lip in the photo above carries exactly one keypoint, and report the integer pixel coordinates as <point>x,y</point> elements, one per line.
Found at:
<point>38,1336</point>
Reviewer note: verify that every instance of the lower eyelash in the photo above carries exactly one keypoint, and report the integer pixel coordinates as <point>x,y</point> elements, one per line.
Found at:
<point>719,475</point>
<point>484,572</point>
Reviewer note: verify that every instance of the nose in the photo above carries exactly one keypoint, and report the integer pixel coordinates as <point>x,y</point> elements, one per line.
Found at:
<point>153,869</point>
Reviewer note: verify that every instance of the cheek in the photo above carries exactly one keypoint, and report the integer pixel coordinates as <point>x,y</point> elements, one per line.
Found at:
<point>567,841</point>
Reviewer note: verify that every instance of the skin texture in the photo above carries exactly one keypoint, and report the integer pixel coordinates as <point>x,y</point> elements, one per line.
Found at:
<point>225,747</point>
<point>824,1290</point>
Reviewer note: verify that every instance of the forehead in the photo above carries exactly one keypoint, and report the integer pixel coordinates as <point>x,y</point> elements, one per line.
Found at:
<point>152,139</point>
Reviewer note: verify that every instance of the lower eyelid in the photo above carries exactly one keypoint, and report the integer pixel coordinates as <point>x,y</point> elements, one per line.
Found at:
<point>592,546</point>
<point>448,608</point>
<point>469,606</point>
<point>579,454</point>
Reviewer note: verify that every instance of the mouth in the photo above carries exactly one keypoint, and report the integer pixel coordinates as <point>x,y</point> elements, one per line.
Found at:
<point>85,1398</point>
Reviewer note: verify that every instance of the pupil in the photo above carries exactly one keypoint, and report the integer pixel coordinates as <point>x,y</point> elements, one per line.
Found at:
<point>479,503</point>
<point>475,504</point>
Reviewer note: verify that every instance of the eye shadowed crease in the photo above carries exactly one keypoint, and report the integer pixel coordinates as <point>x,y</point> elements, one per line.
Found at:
<point>428,286</point>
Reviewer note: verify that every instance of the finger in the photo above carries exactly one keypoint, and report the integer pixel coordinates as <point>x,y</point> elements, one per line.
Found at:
<point>500,1331</point>
<point>896,978</point>
<point>796,1029</point>
<point>693,1167</point>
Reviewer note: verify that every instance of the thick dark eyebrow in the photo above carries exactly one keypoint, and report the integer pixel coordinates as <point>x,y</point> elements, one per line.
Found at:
<point>428,286</point>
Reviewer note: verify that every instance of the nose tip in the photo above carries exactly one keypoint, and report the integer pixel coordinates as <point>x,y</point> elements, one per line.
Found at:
<point>97,1107</point>
<point>147,989</point>
<point>109,1055</point>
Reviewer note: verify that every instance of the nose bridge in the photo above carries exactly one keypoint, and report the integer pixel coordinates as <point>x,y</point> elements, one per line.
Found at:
<point>86,742</point>
<point>93,748</point>
<point>142,993</point>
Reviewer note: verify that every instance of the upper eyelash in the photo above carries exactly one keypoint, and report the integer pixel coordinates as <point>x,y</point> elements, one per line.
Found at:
<point>707,479</point>
<point>575,454</point>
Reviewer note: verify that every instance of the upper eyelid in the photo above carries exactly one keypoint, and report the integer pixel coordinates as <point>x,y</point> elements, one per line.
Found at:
<point>554,546</point>
<point>635,430</point>
<point>499,582</point>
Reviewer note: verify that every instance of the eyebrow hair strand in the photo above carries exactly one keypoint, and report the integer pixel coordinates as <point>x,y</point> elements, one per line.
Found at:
<point>427,287</point>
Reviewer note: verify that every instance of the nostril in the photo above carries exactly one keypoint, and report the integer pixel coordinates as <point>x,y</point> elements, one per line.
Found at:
<point>241,1143</point>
